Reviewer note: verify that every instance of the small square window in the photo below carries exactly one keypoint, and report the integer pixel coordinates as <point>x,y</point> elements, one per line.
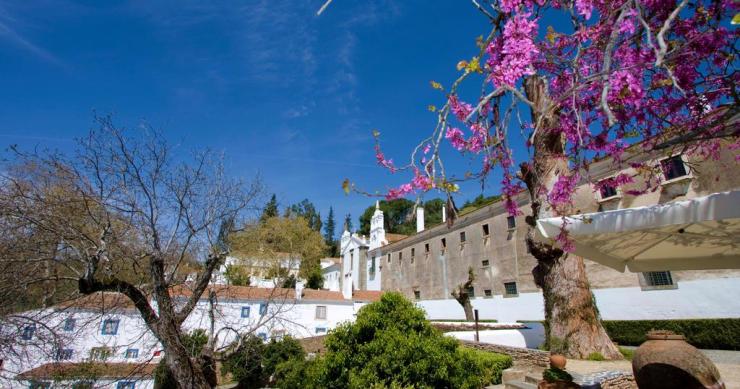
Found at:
<point>321,312</point>
<point>426,248</point>
<point>100,353</point>
<point>417,294</point>
<point>400,256</point>
<point>64,354</point>
<point>510,288</point>
<point>471,292</point>
<point>488,292</point>
<point>245,311</point>
<point>320,330</point>
<point>485,229</point>
<point>462,237</point>
<point>444,243</point>
<point>262,336</point>
<point>658,278</point>
<point>486,263</point>
<point>607,190</point>
<point>28,331</point>
<point>413,252</point>
<point>263,309</point>
<point>511,222</point>
<point>69,325</point>
<point>673,167</point>
<point>132,353</point>
<point>110,327</point>
<point>126,385</point>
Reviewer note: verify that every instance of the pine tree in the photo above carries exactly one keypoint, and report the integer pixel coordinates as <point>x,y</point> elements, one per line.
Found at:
<point>270,210</point>
<point>348,222</point>
<point>329,234</point>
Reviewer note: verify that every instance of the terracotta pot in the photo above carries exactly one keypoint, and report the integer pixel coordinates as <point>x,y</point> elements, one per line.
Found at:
<point>558,361</point>
<point>666,361</point>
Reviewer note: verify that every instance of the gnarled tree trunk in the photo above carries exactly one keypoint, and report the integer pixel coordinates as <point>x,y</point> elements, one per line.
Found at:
<point>572,323</point>
<point>463,297</point>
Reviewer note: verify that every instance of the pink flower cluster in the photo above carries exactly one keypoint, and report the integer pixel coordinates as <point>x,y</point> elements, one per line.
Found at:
<point>509,6</point>
<point>386,163</point>
<point>512,54</point>
<point>562,192</point>
<point>455,136</point>
<point>460,109</point>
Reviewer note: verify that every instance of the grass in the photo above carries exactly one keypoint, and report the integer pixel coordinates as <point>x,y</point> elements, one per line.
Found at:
<point>596,356</point>
<point>627,353</point>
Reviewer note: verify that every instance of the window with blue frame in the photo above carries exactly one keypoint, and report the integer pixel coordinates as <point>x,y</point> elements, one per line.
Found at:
<point>263,309</point>
<point>28,331</point>
<point>262,336</point>
<point>320,330</point>
<point>39,385</point>
<point>110,327</point>
<point>245,311</point>
<point>69,324</point>
<point>64,354</point>
<point>126,385</point>
<point>132,353</point>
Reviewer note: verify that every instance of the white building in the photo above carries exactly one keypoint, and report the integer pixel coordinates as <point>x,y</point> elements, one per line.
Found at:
<point>331,269</point>
<point>105,329</point>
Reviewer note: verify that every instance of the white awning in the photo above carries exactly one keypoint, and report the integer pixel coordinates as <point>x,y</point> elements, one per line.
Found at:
<point>696,234</point>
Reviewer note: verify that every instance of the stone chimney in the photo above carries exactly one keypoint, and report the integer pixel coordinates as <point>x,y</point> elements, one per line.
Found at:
<point>419,219</point>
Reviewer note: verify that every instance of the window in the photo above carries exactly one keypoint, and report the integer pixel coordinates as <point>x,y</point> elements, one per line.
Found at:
<point>262,336</point>
<point>351,259</point>
<point>510,289</point>
<point>245,311</point>
<point>27,333</point>
<point>389,258</point>
<point>658,278</point>
<point>485,229</point>
<point>157,353</point>
<point>321,312</point>
<point>417,294</point>
<point>444,244</point>
<point>126,385</point>
<point>64,354</point>
<point>110,327</point>
<point>511,222</point>
<point>486,263</point>
<point>320,330</point>
<point>488,293</point>
<point>673,167</point>
<point>100,353</point>
<point>69,325</point>
<point>607,190</point>
<point>413,252</point>
<point>39,385</point>
<point>426,248</point>
<point>471,292</point>
<point>372,269</point>
<point>400,256</point>
<point>263,309</point>
<point>132,353</point>
<point>462,237</point>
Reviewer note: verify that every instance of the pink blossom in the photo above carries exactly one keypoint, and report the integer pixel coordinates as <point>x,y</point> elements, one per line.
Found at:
<point>386,163</point>
<point>562,191</point>
<point>422,182</point>
<point>401,191</point>
<point>584,8</point>
<point>455,136</point>
<point>511,54</point>
<point>627,25</point>
<point>461,109</point>
<point>427,148</point>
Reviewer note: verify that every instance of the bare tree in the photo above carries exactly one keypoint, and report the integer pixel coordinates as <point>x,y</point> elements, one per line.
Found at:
<point>125,213</point>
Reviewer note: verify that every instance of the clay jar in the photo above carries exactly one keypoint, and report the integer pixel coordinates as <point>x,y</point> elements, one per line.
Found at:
<point>666,361</point>
<point>558,361</point>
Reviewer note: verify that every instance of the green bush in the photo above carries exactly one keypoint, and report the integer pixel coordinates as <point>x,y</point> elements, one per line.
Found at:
<point>254,363</point>
<point>391,344</point>
<point>280,351</point>
<point>554,374</point>
<point>595,356</point>
<point>627,353</point>
<point>720,334</point>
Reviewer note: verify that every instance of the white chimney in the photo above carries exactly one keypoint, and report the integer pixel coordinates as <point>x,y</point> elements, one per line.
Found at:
<point>419,219</point>
<point>444,213</point>
<point>298,290</point>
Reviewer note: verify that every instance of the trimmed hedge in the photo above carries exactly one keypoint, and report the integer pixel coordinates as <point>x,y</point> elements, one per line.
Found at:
<point>718,334</point>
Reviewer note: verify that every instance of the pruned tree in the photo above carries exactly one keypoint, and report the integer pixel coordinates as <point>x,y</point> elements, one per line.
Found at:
<point>462,294</point>
<point>610,78</point>
<point>125,200</point>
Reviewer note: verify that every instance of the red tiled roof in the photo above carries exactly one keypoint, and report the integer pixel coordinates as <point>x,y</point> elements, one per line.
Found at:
<point>89,369</point>
<point>366,295</point>
<point>253,293</point>
<point>105,301</point>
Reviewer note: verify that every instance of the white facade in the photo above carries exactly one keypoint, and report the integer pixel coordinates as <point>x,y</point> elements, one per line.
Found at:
<point>331,272</point>
<point>359,272</point>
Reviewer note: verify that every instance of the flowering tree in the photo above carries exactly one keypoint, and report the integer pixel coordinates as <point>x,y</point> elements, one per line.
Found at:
<point>611,74</point>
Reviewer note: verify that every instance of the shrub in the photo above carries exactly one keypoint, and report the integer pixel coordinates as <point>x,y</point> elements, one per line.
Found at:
<point>554,374</point>
<point>254,363</point>
<point>277,352</point>
<point>721,334</point>
<point>595,356</point>
<point>391,344</point>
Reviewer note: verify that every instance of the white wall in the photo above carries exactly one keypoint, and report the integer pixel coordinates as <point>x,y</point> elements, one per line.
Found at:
<point>712,298</point>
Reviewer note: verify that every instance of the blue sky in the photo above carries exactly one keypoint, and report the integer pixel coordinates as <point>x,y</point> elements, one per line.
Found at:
<point>279,90</point>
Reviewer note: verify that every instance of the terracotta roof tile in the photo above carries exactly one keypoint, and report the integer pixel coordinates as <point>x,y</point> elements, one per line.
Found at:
<point>366,295</point>
<point>254,293</point>
<point>89,369</point>
<point>105,301</point>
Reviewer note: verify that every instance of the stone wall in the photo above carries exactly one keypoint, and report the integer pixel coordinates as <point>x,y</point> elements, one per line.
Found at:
<point>520,355</point>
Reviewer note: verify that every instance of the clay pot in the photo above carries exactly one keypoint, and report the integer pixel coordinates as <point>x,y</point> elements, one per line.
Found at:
<point>558,361</point>
<point>666,361</point>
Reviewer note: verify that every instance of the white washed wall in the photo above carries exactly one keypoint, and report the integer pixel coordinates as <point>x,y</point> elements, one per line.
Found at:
<point>713,298</point>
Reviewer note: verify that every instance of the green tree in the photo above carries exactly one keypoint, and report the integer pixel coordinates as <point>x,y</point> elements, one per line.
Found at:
<point>237,275</point>
<point>306,210</point>
<point>392,345</point>
<point>478,202</point>
<point>245,363</point>
<point>270,210</point>
<point>330,234</point>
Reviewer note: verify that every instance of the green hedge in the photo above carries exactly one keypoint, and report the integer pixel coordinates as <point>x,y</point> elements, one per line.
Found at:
<point>719,334</point>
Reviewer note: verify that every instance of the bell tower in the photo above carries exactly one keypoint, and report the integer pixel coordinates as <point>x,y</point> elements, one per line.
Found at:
<point>377,231</point>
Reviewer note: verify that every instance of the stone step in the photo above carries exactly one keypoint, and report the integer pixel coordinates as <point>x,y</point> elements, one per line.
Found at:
<point>520,385</point>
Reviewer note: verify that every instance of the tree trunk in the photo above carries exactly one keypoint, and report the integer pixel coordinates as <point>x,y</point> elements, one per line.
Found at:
<point>572,325</point>
<point>461,295</point>
<point>187,371</point>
